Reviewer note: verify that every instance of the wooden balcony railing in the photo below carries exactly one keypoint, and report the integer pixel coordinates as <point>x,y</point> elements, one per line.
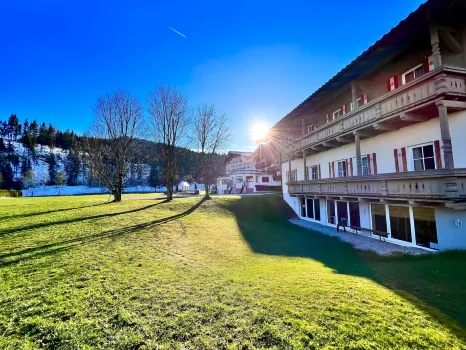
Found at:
<point>439,82</point>
<point>442,184</point>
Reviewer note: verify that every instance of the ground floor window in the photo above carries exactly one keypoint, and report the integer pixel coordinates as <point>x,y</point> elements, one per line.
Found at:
<point>425,226</point>
<point>409,224</point>
<point>379,218</point>
<point>331,215</point>
<point>249,178</point>
<point>342,213</point>
<point>239,179</point>
<point>265,179</point>
<point>355,219</point>
<point>310,208</point>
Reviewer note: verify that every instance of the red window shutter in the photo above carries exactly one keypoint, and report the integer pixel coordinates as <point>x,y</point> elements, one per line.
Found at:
<point>438,156</point>
<point>389,85</point>
<point>403,157</point>
<point>369,170</point>
<point>374,161</point>
<point>318,171</point>
<point>397,166</point>
<point>395,78</point>
<point>362,99</point>
<point>426,65</point>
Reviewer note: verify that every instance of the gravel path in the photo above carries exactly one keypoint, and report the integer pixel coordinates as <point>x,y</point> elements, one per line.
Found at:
<point>359,241</point>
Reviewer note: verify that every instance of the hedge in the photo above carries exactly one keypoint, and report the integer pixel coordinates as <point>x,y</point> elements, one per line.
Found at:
<point>10,193</point>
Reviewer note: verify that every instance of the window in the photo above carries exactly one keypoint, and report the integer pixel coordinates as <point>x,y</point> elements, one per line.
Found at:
<point>341,168</point>
<point>312,208</point>
<point>337,114</point>
<point>249,178</point>
<point>310,128</point>
<point>239,179</point>
<point>379,218</point>
<point>412,74</point>
<point>365,169</point>
<point>331,219</point>
<point>354,214</point>
<point>423,157</point>
<point>265,179</point>
<point>312,172</point>
<point>400,223</point>
<point>358,103</point>
<point>425,226</point>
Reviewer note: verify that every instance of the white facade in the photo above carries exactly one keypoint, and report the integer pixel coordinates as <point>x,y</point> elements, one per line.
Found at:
<point>450,224</point>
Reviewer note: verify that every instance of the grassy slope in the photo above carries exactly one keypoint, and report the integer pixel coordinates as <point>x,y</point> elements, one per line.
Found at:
<point>77,273</point>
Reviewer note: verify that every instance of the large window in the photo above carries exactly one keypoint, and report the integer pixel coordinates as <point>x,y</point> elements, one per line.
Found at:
<point>239,179</point>
<point>425,226</point>
<point>364,166</point>
<point>400,225</point>
<point>310,208</point>
<point>337,114</point>
<point>412,74</point>
<point>341,166</point>
<point>331,219</point>
<point>379,218</point>
<point>312,172</point>
<point>249,178</point>
<point>354,214</point>
<point>342,211</point>
<point>423,157</point>
<point>265,179</point>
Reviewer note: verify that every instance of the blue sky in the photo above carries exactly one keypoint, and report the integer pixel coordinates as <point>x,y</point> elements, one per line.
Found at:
<point>255,60</point>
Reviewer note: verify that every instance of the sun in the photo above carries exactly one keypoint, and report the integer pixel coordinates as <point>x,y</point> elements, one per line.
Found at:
<point>259,131</point>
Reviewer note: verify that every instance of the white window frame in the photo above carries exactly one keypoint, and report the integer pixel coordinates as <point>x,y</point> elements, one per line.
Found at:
<point>367,165</point>
<point>411,155</point>
<point>310,128</point>
<point>354,104</point>
<point>312,172</point>
<point>343,162</point>
<point>403,76</point>
<point>313,209</point>
<point>339,114</point>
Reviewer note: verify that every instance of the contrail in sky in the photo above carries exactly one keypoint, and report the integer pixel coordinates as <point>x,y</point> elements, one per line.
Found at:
<point>177,32</point>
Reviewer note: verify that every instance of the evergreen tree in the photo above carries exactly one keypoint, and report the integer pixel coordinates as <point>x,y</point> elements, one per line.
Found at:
<point>53,167</point>
<point>43,134</point>
<point>73,166</point>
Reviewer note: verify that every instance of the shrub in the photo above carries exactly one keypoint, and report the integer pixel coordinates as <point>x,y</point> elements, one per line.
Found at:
<point>11,193</point>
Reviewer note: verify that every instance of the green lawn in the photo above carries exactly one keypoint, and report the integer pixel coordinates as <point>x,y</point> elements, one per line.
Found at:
<point>226,273</point>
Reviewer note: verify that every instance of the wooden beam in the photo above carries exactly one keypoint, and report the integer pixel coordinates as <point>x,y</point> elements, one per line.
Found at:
<point>451,42</point>
<point>345,139</point>
<point>361,133</point>
<point>318,148</point>
<point>451,104</point>
<point>413,117</point>
<point>386,127</point>
<point>330,144</point>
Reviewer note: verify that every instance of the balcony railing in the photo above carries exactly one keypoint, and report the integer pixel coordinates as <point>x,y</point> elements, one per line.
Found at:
<point>418,93</point>
<point>442,184</point>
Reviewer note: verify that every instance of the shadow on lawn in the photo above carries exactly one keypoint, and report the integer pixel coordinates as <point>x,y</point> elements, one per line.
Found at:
<point>53,248</point>
<point>78,219</point>
<point>437,280</point>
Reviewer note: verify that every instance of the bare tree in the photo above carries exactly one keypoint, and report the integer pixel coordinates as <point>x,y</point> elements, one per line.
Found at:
<point>118,120</point>
<point>211,134</point>
<point>168,110</point>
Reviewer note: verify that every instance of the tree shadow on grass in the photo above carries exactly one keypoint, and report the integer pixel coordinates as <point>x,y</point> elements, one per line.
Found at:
<point>77,219</point>
<point>435,283</point>
<point>53,248</point>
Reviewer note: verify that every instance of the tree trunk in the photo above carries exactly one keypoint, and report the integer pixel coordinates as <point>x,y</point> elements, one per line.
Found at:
<point>169,191</point>
<point>206,187</point>
<point>117,195</point>
<point>119,188</point>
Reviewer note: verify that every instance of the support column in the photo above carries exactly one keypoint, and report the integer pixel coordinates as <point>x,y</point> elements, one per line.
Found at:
<point>435,42</point>
<point>306,177</point>
<point>357,141</point>
<point>445,134</point>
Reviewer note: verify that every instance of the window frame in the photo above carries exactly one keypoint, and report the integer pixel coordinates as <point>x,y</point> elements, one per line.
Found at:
<point>411,156</point>
<point>354,105</point>
<point>366,167</point>
<point>312,172</point>
<point>339,114</point>
<point>343,162</point>
<point>403,76</point>
<point>310,128</point>
<point>249,178</point>
<point>265,177</point>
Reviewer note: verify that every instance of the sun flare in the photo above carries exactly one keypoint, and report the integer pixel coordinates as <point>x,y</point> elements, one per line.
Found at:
<point>259,131</point>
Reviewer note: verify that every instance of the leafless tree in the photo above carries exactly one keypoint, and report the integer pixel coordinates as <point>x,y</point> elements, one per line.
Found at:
<point>168,110</point>
<point>118,120</point>
<point>211,134</point>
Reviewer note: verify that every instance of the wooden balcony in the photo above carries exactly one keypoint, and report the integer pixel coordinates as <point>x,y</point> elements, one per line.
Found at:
<point>409,104</point>
<point>436,185</point>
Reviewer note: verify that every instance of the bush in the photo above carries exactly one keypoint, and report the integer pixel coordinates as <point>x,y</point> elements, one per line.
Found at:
<point>261,188</point>
<point>11,193</point>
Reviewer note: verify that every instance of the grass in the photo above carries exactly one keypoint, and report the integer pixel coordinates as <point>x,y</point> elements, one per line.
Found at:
<point>78,272</point>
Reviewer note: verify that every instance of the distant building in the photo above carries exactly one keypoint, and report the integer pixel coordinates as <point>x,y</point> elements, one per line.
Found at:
<point>380,147</point>
<point>183,186</point>
<point>242,175</point>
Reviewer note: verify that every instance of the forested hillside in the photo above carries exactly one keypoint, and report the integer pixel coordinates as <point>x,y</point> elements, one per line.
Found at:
<point>36,154</point>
